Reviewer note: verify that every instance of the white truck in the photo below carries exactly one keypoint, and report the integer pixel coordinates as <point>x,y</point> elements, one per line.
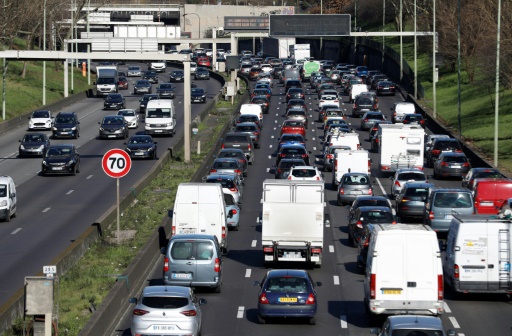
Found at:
<point>199,208</point>
<point>400,146</point>
<point>107,80</point>
<point>160,117</point>
<point>349,161</point>
<point>292,221</point>
<point>345,139</point>
<point>477,257</point>
<point>300,52</point>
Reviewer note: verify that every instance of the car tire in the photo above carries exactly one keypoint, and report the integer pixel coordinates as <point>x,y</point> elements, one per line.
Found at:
<point>261,320</point>
<point>21,155</point>
<point>236,228</point>
<point>312,320</point>
<point>8,217</point>
<point>74,171</point>
<point>218,289</point>
<point>78,168</point>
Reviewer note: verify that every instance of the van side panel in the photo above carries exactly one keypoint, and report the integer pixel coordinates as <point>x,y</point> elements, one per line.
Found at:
<point>490,194</point>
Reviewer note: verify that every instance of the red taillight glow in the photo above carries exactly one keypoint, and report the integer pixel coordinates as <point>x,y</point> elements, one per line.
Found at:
<point>263,298</point>
<point>370,191</point>
<point>373,280</point>
<point>268,249</point>
<point>342,191</point>
<point>431,215</point>
<point>359,225</point>
<point>456,271</point>
<point>436,151</point>
<point>216,266</point>
<point>191,312</point>
<point>444,164</point>
<point>166,264</point>
<point>173,230</point>
<point>223,232</point>
<point>289,177</point>
<point>311,299</point>
<point>139,312</point>
<point>238,171</point>
<point>304,155</point>
<point>233,189</point>
<point>466,164</point>
<point>213,170</point>
<point>316,250</point>
<point>222,147</point>
<point>397,183</point>
<point>329,156</point>
<point>440,284</point>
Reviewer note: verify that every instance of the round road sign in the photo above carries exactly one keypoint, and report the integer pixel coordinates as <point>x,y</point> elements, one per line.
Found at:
<point>116,163</point>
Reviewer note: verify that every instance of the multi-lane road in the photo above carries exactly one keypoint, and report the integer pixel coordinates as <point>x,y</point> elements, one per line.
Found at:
<point>54,211</point>
<point>340,310</point>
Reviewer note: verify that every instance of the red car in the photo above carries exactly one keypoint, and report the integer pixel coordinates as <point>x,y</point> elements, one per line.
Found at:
<point>204,61</point>
<point>293,127</point>
<point>123,83</point>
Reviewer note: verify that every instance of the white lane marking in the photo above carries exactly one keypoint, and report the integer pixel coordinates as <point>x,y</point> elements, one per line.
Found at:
<point>69,192</point>
<point>254,242</point>
<point>275,128</point>
<point>336,280</point>
<point>460,334</point>
<point>314,148</point>
<point>257,219</point>
<point>454,322</point>
<point>446,308</point>
<point>272,137</point>
<point>270,146</point>
<point>88,177</point>
<point>313,139</point>
<point>381,187</point>
<point>45,210</point>
<point>248,273</point>
<point>331,248</point>
<point>16,231</point>
<point>311,116</point>
<point>270,157</point>
<point>277,114</point>
<point>343,322</point>
<point>240,313</point>
<point>268,170</point>
<point>275,121</point>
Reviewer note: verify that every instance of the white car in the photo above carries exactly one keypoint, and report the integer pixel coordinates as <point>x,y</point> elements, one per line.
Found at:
<point>328,99</point>
<point>158,66</point>
<point>193,67</point>
<point>305,173</point>
<point>131,117</point>
<point>266,68</point>
<point>40,119</point>
<point>134,71</point>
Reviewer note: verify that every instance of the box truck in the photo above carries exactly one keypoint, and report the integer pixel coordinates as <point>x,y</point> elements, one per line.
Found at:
<point>400,146</point>
<point>349,161</point>
<point>107,80</point>
<point>292,221</point>
<point>300,52</point>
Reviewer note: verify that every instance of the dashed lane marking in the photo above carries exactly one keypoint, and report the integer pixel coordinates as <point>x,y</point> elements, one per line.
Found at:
<point>16,231</point>
<point>254,242</point>
<point>69,192</point>
<point>336,279</point>
<point>343,322</point>
<point>272,137</point>
<point>270,157</point>
<point>270,146</point>
<point>454,322</point>
<point>240,313</point>
<point>45,210</point>
<point>268,170</point>
<point>248,273</point>
<point>331,248</point>
<point>88,177</point>
<point>446,308</point>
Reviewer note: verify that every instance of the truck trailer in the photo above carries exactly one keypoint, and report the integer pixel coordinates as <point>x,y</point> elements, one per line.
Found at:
<point>400,146</point>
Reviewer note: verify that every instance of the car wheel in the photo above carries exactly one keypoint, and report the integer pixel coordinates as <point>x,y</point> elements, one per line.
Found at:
<point>154,155</point>
<point>21,155</point>
<point>235,228</point>
<point>218,289</point>
<point>74,171</point>
<point>261,320</point>
<point>312,320</point>
<point>8,216</point>
<point>78,168</point>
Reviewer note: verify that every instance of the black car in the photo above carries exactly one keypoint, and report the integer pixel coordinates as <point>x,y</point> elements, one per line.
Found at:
<point>34,144</point>
<point>386,88</point>
<point>442,145</point>
<point>293,152</point>
<point>198,95</point>
<point>114,101</point>
<point>295,93</point>
<point>113,126</point>
<point>367,215</point>
<point>61,159</point>
<point>66,124</point>
<point>247,118</point>
<point>282,170</point>
<point>262,101</point>
<point>202,73</point>
<point>177,76</point>
<point>165,90</point>
<point>142,86</point>
<point>141,147</point>
<point>144,101</point>
<point>150,76</point>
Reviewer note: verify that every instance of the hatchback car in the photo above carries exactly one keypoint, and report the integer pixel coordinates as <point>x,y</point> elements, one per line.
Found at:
<point>242,118</point>
<point>410,201</point>
<point>202,73</point>
<point>367,200</point>
<point>114,101</point>
<point>363,104</point>
<point>442,145</point>
<point>305,173</point>
<point>293,126</point>
<point>365,215</point>
<point>176,76</point>
<point>142,86</point>
<point>141,147</point>
<point>262,101</point>
<point>386,88</point>
<point>295,93</point>
<point>241,141</point>
<point>474,173</point>
<point>130,116</point>
<point>235,153</point>
<point>409,325</point>
<point>198,95</point>
<point>166,310</point>
<point>165,91</point>
<point>290,139</point>
<point>282,170</point>
<point>293,152</point>
<point>451,165</point>
<point>230,182</point>
<point>61,159</point>
<point>405,175</point>
<point>287,293</point>
<point>34,144</point>
<point>40,119</point>
<point>414,119</point>
<point>150,76</point>
<point>226,165</point>
<point>133,71</point>
<point>352,185</point>
<point>297,113</point>
<point>252,129</point>
<point>66,125</point>
<point>113,127</point>
<point>232,212</point>
<point>369,119</point>
<point>443,203</point>
<point>123,83</point>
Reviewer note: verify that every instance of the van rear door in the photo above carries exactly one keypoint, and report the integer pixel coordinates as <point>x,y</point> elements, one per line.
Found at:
<point>471,259</point>
<point>182,263</point>
<point>423,268</point>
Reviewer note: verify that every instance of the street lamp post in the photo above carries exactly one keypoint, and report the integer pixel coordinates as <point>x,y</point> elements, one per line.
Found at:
<point>44,49</point>
<point>198,20</point>
<point>497,98</point>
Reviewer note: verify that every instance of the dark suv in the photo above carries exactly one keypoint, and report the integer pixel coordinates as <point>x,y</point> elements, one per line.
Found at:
<point>442,145</point>
<point>293,152</point>
<point>242,141</point>
<point>292,83</point>
<point>410,201</point>
<point>249,128</point>
<point>363,104</point>
<point>66,125</point>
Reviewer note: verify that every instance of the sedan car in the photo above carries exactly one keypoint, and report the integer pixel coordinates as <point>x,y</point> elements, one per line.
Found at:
<point>40,119</point>
<point>177,76</point>
<point>226,165</point>
<point>141,147</point>
<point>474,173</point>
<point>202,73</point>
<point>61,159</point>
<point>287,293</point>
<point>150,76</point>
<point>386,88</point>
<point>198,95</point>
<point>123,83</point>
<point>167,310</point>
<point>33,144</point>
<point>130,116</point>
<point>134,71</point>
<point>113,126</point>
<point>142,86</point>
<point>451,164</point>
<point>369,119</point>
<point>165,91</point>
<point>114,101</point>
<point>352,185</point>
<point>295,93</point>
<point>305,173</point>
<point>235,153</point>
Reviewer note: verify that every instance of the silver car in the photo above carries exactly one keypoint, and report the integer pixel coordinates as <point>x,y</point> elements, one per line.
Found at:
<point>353,185</point>
<point>134,71</point>
<point>413,325</point>
<point>369,119</point>
<point>166,310</point>
<point>406,175</point>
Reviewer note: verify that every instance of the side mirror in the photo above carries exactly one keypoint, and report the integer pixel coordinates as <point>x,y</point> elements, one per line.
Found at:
<point>451,332</point>
<point>133,300</point>
<point>93,83</point>
<point>155,142</point>
<point>124,143</point>
<point>19,140</point>
<point>257,283</point>
<point>374,331</point>
<point>202,302</point>
<point>318,283</point>
<point>99,123</point>
<point>163,250</point>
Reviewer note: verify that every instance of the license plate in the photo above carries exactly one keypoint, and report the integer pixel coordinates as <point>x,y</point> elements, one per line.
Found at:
<point>358,192</point>
<point>392,291</point>
<point>291,255</point>
<point>187,231</point>
<point>162,327</point>
<point>182,276</point>
<point>287,299</point>
<point>158,131</point>
<point>486,204</point>
<point>456,166</point>
<point>448,216</point>
<point>111,136</point>
<point>57,168</point>
<point>178,78</point>
<point>139,153</point>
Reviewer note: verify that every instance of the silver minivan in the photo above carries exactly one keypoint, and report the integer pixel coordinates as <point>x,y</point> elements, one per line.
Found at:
<point>193,260</point>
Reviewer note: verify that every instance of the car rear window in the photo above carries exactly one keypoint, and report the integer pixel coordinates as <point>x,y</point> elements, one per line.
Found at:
<point>443,144</point>
<point>293,123</point>
<point>487,174</point>
<point>230,155</point>
<point>420,193</point>
<point>377,216</point>
<point>289,164</point>
<point>411,176</point>
<point>304,173</point>
<point>247,128</point>
<point>225,183</point>
<point>455,159</point>
<point>452,200</point>
<point>383,203</point>
<point>164,302</point>
<point>291,137</point>
<point>293,151</point>
<point>287,284</point>
<point>236,138</point>
<point>225,165</point>
<point>365,101</point>
<point>192,250</point>
<point>416,332</point>
<point>356,180</point>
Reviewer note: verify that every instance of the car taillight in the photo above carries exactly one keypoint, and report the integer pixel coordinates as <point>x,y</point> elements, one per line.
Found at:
<point>391,87</point>
<point>440,287</point>
<point>370,191</point>
<point>311,299</point>
<point>458,151</point>
<point>335,164</point>
<point>223,234</point>
<point>456,271</point>
<point>304,155</point>
<point>255,133</point>
<point>436,151</point>
<point>397,183</point>
<point>248,146</point>
<point>329,156</point>
<point>238,171</point>
<point>318,178</point>
<point>279,170</point>
<point>173,230</point>
<point>431,215</point>
<point>365,120</point>
<point>342,191</point>
<point>241,161</point>
<point>191,312</point>
<point>289,177</point>
<point>140,312</point>
<point>216,266</point>
<point>405,121</point>
<point>444,164</point>
<point>263,298</point>
<point>466,164</point>
<point>359,224</point>
<point>213,170</point>
<point>394,114</point>
<point>282,155</point>
<point>222,147</point>
<point>373,280</point>
<point>234,211</point>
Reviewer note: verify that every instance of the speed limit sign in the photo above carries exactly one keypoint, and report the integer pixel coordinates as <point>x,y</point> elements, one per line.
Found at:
<point>116,163</point>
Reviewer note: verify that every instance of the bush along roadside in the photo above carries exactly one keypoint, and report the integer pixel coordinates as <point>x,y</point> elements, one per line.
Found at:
<point>84,287</point>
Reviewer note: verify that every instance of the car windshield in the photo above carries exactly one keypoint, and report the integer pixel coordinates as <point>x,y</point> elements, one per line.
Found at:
<point>166,86</point>
<point>33,138</point>
<point>105,80</point>
<point>3,190</point>
<point>487,174</point>
<point>377,216</point>
<point>197,91</point>
<point>159,113</point>
<point>134,68</point>
<point>286,284</point>
<point>225,183</point>
<point>56,152</point>
<point>304,172</point>
<point>113,97</point>
<point>164,302</point>
<point>41,114</point>
<point>452,200</point>
<point>177,73</point>
<point>414,332</point>
<point>64,120</point>
<point>139,140</point>
<point>356,180</point>
<point>142,83</point>
<point>113,121</point>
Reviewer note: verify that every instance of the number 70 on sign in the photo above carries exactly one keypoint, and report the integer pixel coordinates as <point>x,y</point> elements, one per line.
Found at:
<point>116,163</point>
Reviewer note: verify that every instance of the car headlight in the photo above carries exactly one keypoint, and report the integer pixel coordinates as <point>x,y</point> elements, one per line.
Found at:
<point>128,150</point>
<point>44,163</point>
<point>54,128</point>
<point>41,147</point>
<point>73,128</point>
<point>169,124</point>
<point>22,147</point>
<point>48,122</point>
<point>3,203</point>
<point>102,129</point>
<point>31,123</point>
<point>203,96</point>
<point>70,162</point>
<point>150,149</point>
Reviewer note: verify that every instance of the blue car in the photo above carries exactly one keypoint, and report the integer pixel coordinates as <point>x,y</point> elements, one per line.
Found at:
<point>290,139</point>
<point>232,212</point>
<point>361,71</point>
<point>287,293</point>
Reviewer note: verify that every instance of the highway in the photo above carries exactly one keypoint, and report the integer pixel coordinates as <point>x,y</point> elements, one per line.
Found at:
<point>53,211</point>
<point>341,310</point>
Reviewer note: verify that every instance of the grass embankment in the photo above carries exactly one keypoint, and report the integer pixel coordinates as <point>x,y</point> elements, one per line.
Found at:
<point>89,282</point>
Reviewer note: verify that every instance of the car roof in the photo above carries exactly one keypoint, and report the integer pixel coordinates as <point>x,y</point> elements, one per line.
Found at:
<point>231,150</point>
<point>293,146</point>
<point>62,146</point>
<point>374,208</point>
<point>225,175</point>
<point>415,322</point>
<point>66,113</point>
<point>166,291</point>
<point>407,170</point>
<point>305,167</point>
<point>287,272</point>
<point>366,197</point>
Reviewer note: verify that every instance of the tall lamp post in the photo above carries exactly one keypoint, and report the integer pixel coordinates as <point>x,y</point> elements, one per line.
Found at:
<point>44,49</point>
<point>198,20</point>
<point>497,98</point>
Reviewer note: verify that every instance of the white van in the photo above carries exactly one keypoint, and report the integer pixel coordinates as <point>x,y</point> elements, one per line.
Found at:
<point>400,109</point>
<point>477,257</point>
<point>357,89</point>
<point>252,109</point>
<point>160,117</point>
<point>199,208</point>
<point>404,274</point>
<point>349,161</point>
<point>8,198</point>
